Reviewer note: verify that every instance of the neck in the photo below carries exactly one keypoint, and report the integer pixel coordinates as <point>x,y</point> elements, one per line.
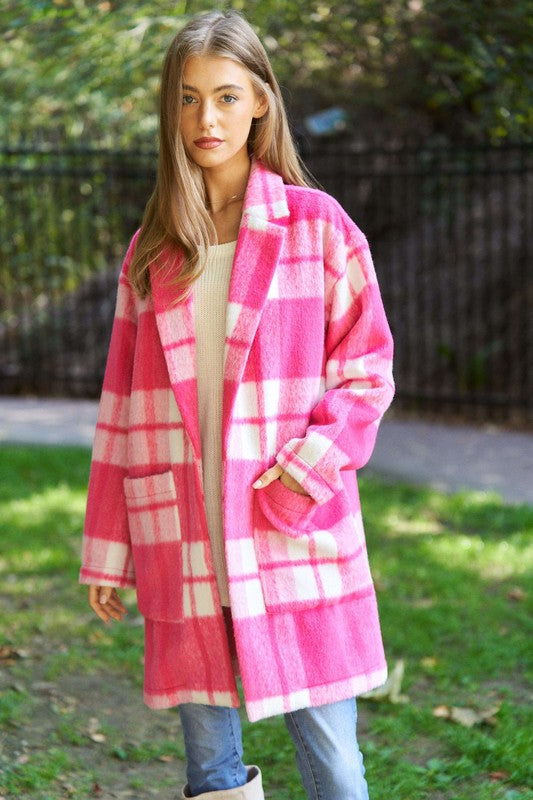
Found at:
<point>226,184</point>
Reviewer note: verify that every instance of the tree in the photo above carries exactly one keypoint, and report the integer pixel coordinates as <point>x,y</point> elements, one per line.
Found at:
<point>85,69</point>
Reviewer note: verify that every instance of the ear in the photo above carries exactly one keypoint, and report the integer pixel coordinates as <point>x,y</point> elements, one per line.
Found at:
<point>261,106</point>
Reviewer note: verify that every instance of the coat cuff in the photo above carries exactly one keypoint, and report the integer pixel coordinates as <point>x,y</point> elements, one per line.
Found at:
<point>99,577</point>
<point>313,483</point>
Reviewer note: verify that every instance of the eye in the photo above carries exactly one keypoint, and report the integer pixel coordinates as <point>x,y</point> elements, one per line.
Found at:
<point>187,100</point>
<point>229,99</point>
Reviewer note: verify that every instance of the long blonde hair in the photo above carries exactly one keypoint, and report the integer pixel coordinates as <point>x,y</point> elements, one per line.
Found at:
<point>176,218</point>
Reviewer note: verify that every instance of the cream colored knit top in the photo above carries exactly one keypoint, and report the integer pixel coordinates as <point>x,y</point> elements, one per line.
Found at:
<point>210,301</point>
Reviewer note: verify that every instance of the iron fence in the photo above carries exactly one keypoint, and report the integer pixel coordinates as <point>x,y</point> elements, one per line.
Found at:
<point>448,228</point>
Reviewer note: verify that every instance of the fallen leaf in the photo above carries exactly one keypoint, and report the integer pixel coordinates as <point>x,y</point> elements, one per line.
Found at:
<point>517,594</point>
<point>166,759</point>
<point>429,662</point>
<point>94,731</point>
<point>391,688</point>
<point>9,655</point>
<point>468,717</point>
<point>500,775</point>
<point>96,790</point>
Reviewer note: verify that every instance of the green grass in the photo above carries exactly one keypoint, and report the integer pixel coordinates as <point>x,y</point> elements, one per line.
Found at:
<point>454,588</point>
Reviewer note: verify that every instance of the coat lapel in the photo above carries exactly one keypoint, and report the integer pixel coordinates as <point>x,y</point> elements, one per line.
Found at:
<point>175,323</point>
<point>261,237</point>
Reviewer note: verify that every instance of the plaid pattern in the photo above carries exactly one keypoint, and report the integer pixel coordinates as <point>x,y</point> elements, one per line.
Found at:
<point>307,378</point>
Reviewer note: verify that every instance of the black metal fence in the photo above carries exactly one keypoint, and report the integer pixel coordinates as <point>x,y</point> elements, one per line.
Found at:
<point>448,228</point>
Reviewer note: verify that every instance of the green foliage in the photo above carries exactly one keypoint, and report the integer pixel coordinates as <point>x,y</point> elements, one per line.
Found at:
<point>77,69</point>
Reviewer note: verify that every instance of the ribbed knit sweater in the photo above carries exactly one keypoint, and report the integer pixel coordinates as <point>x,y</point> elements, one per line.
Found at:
<point>210,301</point>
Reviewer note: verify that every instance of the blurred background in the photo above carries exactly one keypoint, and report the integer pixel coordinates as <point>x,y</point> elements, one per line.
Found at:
<point>416,114</point>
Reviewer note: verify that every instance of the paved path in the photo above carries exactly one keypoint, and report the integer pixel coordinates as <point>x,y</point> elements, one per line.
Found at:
<point>446,457</point>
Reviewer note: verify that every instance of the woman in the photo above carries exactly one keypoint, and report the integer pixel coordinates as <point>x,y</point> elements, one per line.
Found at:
<point>249,366</point>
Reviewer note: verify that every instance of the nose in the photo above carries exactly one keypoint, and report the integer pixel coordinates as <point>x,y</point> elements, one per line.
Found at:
<point>207,115</point>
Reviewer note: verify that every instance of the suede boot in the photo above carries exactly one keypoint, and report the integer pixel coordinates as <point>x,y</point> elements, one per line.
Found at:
<point>252,790</point>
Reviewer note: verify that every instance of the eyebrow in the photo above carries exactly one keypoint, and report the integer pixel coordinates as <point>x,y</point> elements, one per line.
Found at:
<point>188,88</point>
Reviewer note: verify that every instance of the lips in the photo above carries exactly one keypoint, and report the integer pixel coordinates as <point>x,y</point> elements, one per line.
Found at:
<point>207,142</point>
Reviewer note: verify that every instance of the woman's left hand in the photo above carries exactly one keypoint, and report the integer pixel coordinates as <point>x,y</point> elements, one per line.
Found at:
<point>287,480</point>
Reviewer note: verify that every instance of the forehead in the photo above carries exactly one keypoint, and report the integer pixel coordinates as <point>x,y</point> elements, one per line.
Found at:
<point>207,72</point>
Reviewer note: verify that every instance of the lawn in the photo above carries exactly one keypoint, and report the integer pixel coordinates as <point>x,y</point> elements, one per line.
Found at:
<point>454,587</point>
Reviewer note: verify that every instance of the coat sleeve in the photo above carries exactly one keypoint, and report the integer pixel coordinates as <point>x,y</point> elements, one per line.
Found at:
<point>359,385</point>
<point>106,549</point>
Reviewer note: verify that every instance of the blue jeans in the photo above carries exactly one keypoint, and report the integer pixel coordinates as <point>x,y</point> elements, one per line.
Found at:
<point>327,753</point>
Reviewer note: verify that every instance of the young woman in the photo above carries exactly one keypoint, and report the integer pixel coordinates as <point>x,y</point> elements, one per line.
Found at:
<point>249,367</point>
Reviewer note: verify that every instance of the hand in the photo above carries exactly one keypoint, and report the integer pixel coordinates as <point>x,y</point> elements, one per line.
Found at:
<point>106,603</point>
<point>287,480</point>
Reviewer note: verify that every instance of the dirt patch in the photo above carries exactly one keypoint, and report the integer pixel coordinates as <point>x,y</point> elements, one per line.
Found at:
<point>117,747</point>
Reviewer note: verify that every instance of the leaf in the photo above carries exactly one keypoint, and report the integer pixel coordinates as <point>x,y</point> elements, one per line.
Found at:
<point>468,717</point>
<point>94,731</point>
<point>516,594</point>
<point>9,655</point>
<point>498,775</point>
<point>391,689</point>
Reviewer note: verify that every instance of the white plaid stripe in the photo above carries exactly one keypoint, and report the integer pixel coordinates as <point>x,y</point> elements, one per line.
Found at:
<point>157,523</point>
<point>194,560</point>
<point>125,308</point>
<point>241,556</point>
<point>247,599</point>
<point>107,556</point>
<point>244,442</point>
<point>113,409</point>
<point>110,447</point>
<point>199,599</point>
<point>152,510</point>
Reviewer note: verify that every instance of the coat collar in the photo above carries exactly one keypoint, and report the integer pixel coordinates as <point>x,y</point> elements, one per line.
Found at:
<point>260,239</point>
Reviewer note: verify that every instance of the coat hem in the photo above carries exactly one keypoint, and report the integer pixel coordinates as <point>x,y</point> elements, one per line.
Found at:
<point>316,695</point>
<point>175,697</point>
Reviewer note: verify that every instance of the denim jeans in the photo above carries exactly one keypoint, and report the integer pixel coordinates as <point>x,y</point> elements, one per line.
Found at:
<point>327,753</point>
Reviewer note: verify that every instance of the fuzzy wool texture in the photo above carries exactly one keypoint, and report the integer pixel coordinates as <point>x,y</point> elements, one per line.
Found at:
<point>306,380</point>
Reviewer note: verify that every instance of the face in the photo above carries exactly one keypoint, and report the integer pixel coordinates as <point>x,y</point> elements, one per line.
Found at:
<point>219,104</point>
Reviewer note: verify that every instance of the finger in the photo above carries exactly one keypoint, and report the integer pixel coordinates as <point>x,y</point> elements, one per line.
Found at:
<point>101,603</point>
<point>115,607</point>
<point>100,612</point>
<point>267,477</point>
<point>111,604</point>
<point>115,601</point>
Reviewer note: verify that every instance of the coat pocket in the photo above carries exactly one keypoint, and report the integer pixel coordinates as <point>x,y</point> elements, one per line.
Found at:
<point>156,545</point>
<point>308,555</point>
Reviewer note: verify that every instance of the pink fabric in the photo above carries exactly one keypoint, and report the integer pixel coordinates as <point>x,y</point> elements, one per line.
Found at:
<point>307,378</point>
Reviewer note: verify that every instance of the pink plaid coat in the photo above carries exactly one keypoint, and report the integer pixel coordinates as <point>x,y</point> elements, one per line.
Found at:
<point>307,378</point>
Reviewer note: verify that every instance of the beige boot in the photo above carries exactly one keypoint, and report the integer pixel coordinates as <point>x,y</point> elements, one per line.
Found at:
<point>252,790</point>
